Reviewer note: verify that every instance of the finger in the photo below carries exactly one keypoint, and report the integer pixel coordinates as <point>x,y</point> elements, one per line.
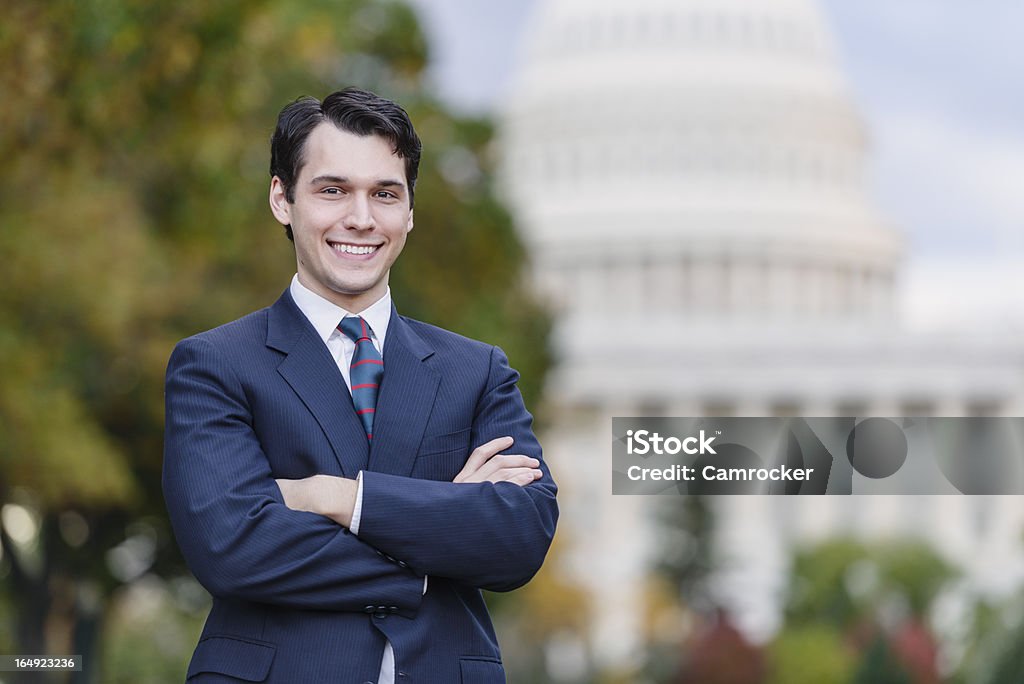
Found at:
<point>481,455</point>
<point>532,476</point>
<point>485,452</point>
<point>504,461</point>
<point>527,478</point>
<point>519,476</point>
<point>493,465</point>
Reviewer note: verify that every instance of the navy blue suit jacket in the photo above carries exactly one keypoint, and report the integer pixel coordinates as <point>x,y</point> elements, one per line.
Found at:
<point>296,597</point>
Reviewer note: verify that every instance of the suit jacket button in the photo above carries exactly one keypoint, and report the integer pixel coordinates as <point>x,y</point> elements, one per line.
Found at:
<point>392,609</point>
<point>403,564</point>
<point>368,609</point>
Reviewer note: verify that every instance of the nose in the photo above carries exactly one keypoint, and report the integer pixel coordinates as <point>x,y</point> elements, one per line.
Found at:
<point>360,215</point>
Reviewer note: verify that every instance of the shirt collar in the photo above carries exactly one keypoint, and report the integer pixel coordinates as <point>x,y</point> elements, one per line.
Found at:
<point>325,315</point>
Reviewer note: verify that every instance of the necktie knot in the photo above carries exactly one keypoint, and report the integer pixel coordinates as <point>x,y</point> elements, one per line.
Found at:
<point>355,328</point>
<point>365,370</point>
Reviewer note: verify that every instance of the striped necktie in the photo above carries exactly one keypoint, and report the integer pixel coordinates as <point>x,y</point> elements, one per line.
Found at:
<point>365,371</point>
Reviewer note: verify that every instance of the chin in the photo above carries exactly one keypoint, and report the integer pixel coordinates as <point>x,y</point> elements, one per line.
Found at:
<point>351,289</point>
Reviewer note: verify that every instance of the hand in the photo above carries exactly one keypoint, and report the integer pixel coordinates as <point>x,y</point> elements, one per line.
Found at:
<point>485,464</point>
<point>330,496</point>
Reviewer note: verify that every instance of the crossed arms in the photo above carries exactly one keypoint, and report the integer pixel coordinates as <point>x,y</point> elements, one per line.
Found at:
<point>335,497</point>
<point>250,537</point>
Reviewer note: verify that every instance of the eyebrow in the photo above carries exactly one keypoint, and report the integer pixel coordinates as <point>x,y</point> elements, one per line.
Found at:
<point>328,179</point>
<point>341,180</point>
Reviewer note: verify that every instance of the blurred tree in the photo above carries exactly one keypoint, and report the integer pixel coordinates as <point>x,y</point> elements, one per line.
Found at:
<point>668,624</point>
<point>843,582</point>
<point>719,654</point>
<point>917,651</point>
<point>685,528</point>
<point>685,544</point>
<point>151,629</point>
<point>879,665</point>
<point>828,584</point>
<point>547,624</point>
<point>988,636</point>
<point>134,137</point>
<point>1004,662</point>
<point>878,596</point>
<point>810,654</point>
<point>1010,665</point>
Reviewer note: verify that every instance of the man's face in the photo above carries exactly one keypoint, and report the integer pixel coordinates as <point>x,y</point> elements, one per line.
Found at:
<point>350,216</point>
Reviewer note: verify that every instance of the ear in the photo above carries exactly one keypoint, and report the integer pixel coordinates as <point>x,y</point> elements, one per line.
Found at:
<point>279,204</point>
<point>408,225</point>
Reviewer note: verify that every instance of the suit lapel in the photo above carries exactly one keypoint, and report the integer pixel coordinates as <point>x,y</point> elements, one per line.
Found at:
<point>406,399</point>
<point>314,375</point>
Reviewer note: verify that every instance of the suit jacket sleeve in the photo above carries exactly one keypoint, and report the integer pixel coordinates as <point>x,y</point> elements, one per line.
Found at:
<point>229,518</point>
<point>492,536</point>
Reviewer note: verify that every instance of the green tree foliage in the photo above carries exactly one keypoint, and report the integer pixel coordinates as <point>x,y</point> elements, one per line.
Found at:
<point>687,528</point>
<point>810,655</point>
<point>819,586</point>
<point>133,212</point>
<point>880,666</point>
<point>995,642</point>
<point>684,561</point>
<point>842,582</point>
<point>1009,666</point>
<point>844,593</point>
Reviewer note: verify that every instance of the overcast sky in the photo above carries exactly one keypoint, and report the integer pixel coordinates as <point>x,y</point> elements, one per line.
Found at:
<point>940,84</point>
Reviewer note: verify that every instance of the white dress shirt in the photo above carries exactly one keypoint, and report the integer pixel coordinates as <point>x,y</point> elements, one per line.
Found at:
<point>325,317</point>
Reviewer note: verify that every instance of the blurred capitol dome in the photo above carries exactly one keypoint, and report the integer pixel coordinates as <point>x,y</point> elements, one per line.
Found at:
<point>689,178</point>
<point>695,160</point>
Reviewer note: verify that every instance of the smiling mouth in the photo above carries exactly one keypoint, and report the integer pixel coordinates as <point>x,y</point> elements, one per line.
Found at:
<point>358,250</point>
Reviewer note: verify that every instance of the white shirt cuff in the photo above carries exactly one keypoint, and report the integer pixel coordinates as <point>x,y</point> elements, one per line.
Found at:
<point>357,511</point>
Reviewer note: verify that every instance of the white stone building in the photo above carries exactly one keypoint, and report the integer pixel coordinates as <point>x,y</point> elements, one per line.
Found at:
<point>689,178</point>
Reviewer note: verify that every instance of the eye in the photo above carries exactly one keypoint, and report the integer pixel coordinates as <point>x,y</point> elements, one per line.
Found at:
<point>331,191</point>
<point>385,194</point>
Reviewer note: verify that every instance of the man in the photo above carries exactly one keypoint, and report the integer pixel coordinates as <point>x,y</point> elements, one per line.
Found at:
<point>339,477</point>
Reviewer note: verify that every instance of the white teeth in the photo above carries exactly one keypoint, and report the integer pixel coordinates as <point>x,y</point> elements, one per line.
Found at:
<point>355,249</point>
